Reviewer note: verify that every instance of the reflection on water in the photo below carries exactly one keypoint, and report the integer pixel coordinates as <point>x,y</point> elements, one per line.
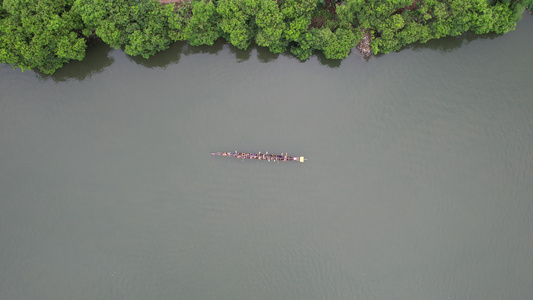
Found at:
<point>332,63</point>
<point>451,43</point>
<point>214,50</point>
<point>161,59</point>
<point>265,56</point>
<point>96,59</point>
<point>241,55</point>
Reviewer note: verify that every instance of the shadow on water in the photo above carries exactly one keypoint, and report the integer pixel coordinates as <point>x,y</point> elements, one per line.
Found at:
<point>332,63</point>
<point>96,60</point>
<point>173,54</point>
<point>451,43</point>
<point>241,55</point>
<point>215,49</point>
<point>264,55</point>
<point>161,59</point>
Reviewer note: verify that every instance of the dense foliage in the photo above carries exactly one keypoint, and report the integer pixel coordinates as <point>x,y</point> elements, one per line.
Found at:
<point>41,34</point>
<point>44,34</point>
<point>141,27</point>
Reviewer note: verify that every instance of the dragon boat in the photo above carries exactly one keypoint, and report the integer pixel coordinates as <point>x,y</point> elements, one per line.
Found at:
<point>261,156</point>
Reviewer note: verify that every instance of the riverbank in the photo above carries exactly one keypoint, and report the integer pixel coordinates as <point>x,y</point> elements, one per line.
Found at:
<point>145,27</point>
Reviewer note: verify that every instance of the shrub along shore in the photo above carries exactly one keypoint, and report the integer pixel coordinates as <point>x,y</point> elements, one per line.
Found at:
<point>45,34</point>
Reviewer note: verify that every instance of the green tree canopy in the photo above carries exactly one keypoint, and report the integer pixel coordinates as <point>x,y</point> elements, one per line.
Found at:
<point>270,27</point>
<point>238,21</point>
<point>41,34</point>
<point>201,19</point>
<point>142,27</point>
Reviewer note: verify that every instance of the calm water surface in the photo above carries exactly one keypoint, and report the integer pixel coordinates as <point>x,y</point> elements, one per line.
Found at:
<point>418,184</point>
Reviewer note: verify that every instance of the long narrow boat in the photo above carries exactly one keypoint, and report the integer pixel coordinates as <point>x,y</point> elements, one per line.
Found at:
<point>261,156</point>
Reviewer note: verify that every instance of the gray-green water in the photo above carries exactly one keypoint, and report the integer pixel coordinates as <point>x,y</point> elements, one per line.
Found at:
<point>418,184</point>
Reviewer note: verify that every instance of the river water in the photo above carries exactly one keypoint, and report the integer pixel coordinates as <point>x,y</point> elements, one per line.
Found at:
<point>418,183</point>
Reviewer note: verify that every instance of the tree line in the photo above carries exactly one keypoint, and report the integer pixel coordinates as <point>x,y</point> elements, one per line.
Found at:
<point>45,34</point>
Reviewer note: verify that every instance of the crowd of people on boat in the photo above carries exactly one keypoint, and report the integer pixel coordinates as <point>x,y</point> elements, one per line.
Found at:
<point>260,156</point>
